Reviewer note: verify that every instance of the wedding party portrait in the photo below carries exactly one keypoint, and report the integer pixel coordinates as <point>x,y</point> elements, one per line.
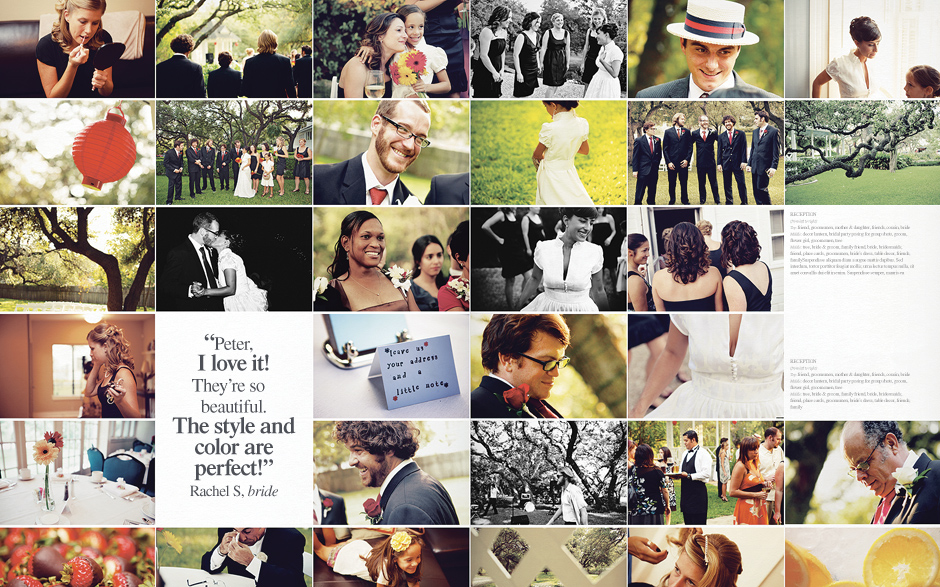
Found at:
<point>255,151</point>
<point>706,365</point>
<point>234,48</point>
<point>502,557</point>
<point>88,472</point>
<point>703,259</point>
<point>547,366</point>
<point>367,151</point>
<point>693,49</point>
<point>861,49</point>
<point>546,473</point>
<point>422,468</point>
<point>850,152</point>
<point>863,472</point>
<point>562,169</point>
<point>77,152</point>
<point>739,141</point>
<point>347,556</point>
<point>411,49</point>
<point>237,557</point>
<point>691,473</point>
<point>719,557</point>
<point>549,49</point>
<point>393,260</point>
<point>234,259</point>
<point>78,49</point>
<point>91,365</point>
<point>539,259</point>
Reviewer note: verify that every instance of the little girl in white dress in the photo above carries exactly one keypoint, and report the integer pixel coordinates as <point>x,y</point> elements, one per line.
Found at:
<point>267,177</point>
<point>436,58</point>
<point>556,179</point>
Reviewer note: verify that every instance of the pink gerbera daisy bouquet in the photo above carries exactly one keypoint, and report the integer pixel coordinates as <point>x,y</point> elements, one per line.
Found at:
<point>408,68</point>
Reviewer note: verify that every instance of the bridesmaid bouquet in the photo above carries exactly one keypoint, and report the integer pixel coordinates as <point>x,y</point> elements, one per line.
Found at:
<point>409,67</point>
<point>461,288</point>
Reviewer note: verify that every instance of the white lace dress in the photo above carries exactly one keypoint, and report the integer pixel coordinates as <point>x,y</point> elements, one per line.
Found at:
<point>748,385</point>
<point>248,297</point>
<point>557,181</point>
<point>570,293</point>
<point>849,73</point>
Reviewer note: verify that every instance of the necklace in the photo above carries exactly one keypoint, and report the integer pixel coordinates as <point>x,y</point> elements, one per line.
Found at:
<point>362,286</point>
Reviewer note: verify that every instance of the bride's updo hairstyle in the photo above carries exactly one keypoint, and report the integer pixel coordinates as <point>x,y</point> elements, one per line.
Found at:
<point>60,27</point>
<point>117,349</point>
<point>236,243</point>
<point>351,225</point>
<point>563,104</point>
<point>686,253</point>
<point>715,554</point>
<point>864,30</point>
<point>372,38</point>
<point>739,244</point>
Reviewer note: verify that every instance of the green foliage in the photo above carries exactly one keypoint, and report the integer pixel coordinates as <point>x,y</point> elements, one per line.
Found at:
<point>596,549</point>
<point>906,187</point>
<point>450,119</point>
<point>505,134</point>
<point>801,165</point>
<point>648,432</point>
<point>329,454</point>
<point>340,25</point>
<point>508,548</point>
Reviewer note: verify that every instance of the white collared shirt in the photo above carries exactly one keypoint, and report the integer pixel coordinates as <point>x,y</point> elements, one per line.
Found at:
<point>373,182</point>
<point>695,92</point>
<point>254,567</point>
<point>199,246</point>
<point>703,463</point>
<point>769,460</point>
<point>317,504</point>
<point>394,472</point>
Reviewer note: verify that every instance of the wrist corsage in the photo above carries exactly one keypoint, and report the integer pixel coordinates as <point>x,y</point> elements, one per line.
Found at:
<point>461,288</point>
<point>400,278</point>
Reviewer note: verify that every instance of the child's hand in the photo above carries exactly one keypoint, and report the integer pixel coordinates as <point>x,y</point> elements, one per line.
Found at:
<point>419,86</point>
<point>365,54</point>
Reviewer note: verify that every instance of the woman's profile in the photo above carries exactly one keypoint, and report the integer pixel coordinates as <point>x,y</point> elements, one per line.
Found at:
<point>748,486</point>
<point>65,57</point>
<point>385,35</point>
<point>850,71</point>
<point>112,373</point>
<point>705,560</point>
<point>239,292</point>
<point>922,81</point>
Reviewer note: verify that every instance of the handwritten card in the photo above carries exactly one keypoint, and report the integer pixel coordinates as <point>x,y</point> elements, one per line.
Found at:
<point>416,371</point>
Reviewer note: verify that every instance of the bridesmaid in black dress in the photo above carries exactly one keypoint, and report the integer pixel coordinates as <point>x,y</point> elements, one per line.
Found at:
<point>112,373</point>
<point>525,56</point>
<point>302,168</point>
<point>255,167</point>
<point>555,55</point>
<point>505,227</point>
<point>689,283</point>
<point>442,30</point>
<point>591,47</point>
<point>748,284</point>
<point>639,292</point>
<point>604,234</point>
<point>488,78</point>
<point>280,155</point>
<point>385,35</point>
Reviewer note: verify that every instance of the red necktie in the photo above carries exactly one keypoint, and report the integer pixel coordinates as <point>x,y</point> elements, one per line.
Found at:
<point>883,508</point>
<point>377,195</point>
<point>651,145</point>
<point>729,138</point>
<point>703,135</point>
<point>762,132</point>
<point>704,95</point>
<point>680,133</point>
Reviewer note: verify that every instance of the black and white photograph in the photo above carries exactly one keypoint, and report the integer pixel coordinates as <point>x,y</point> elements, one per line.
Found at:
<point>544,50</point>
<point>540,259</point>
<point>236,260</point>
<point>548,473</point>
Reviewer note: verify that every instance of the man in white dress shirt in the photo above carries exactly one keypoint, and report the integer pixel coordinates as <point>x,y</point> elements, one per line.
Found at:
<point>770,455</point>
<point>695,470</point>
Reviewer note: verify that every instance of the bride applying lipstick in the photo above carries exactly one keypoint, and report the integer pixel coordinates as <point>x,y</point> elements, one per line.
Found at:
<point>65,57</point>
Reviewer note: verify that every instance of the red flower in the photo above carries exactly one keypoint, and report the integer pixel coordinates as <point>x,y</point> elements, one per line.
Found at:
<point>416,61</point>
<point>328,503</point>
<point>517,396</point>
<point>54,438</point>
<point>372,508</point>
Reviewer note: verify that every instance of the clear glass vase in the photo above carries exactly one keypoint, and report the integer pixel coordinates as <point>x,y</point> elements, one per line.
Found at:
<point>47,503</point>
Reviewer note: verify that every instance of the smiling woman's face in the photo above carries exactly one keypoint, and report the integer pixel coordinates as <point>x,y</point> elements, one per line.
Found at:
<point>579,228</point>
<point>366,245</point>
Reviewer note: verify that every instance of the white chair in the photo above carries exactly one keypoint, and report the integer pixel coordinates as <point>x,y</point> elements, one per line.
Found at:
<point>334,88</point>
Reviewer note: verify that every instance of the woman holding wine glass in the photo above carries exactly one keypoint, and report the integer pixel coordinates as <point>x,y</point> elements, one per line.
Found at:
<point>386,36</point>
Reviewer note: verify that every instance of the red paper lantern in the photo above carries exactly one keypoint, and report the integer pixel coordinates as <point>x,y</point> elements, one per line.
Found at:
<point>104,151</point>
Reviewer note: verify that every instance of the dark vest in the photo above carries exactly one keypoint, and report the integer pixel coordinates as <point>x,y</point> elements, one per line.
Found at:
<point>694,493</point>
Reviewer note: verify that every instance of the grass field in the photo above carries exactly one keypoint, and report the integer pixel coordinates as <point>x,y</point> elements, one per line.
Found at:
<point>419,186</point>
<point>8,305</point>
<point>910,186</point>
<point>662,189</point>
<point>505,134</point>
<point>227,197</point>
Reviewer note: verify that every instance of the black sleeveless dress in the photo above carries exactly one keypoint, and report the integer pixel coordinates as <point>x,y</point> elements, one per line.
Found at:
<point>280,163</point>
<point>756,301</point>
<point>650,304</point>
<point>706,304</point>
<point>554,67</point>
<point>529,66</point>
<point>484,86</point>
<point>110,410</point>
<point>590,59</point>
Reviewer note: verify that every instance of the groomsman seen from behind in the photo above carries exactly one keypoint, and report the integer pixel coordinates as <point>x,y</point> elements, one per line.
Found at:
<point>178,77</point>
<point>224,82</point>
<point>303,73</point>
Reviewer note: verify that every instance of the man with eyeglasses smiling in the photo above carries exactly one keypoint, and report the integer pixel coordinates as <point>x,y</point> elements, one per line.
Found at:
<point>879,459</point>
<point>399,132</point>
<point>523,354</point>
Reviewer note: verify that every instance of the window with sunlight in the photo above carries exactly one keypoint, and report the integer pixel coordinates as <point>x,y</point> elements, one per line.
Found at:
<point>68,377</point>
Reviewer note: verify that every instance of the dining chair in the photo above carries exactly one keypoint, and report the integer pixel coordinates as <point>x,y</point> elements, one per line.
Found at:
<point>151,486</point>
<point>95,459</point>
<point>125,466</point>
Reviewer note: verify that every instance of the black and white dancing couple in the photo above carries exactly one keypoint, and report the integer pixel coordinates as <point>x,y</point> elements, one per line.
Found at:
<point>206,273</point>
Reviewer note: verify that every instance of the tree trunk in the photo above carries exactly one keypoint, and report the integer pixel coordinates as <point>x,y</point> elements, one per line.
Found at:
<point>893,166</point>
<point>657,43</point>
<point>601,361</point>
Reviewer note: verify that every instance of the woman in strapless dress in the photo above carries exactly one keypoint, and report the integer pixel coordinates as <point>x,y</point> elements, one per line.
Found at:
<point>689,283</point>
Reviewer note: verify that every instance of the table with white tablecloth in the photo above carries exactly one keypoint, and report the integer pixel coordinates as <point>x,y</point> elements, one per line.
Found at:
<point>89,504</point>
<point>179,577</point>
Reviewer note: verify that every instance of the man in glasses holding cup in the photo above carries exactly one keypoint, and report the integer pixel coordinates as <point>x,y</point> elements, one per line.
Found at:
<point>523,354</point>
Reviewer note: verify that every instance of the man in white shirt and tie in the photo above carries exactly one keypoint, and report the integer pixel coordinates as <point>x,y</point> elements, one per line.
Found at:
<point>770,456</point>
<point>765,154</point>
<point>273,557</point>
<point>695,471</point>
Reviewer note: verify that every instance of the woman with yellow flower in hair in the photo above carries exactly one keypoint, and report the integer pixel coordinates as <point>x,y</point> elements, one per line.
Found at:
<point>112,372</point>
<point>395,561</point>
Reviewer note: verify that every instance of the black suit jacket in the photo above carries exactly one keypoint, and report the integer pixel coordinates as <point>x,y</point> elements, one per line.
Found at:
<point>704,148</point>
<point>223,157</point>
<point>180,269</point>
<point>449,190</point>
<point>207,156</point>
<point>303,76</point>
<point>645,162</point>
<point>676,149</point>
<point>731,156</point>
<point>924,506</point>
<point>486,401</point>
<point>178,77</point>
<point>764,151</point>
<point>268,75</point>
<point>191,157</point>
<point>171,162</point>
<point>414,498</point>
<point>224,82</point>
<point>284,548</point>
<point>680,89</point>
<point>337,514</point>
<point>344,184</point>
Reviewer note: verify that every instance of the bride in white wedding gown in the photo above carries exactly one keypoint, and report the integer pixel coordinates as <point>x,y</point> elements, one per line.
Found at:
<point>243,188</point>
<point>239,292</point>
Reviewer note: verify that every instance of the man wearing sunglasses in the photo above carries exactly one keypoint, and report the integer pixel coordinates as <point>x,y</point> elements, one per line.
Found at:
<point>399,132</point>
<point>876,450</point>
<point>523,354</point>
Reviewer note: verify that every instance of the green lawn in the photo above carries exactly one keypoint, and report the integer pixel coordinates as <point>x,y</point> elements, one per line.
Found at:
<point>911,185</point>
<point>457,487</point>
<point>8,305</point>
<point>662,189</point>
<point>227,198</point>
<point>716,507</point>
<point>419,186</point>
<point>505,133</point>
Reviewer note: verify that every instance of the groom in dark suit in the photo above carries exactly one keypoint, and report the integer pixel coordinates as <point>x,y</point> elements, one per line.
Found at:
<point>207,157</point>
<point>194,160</point>
<point>765,154</point>
<point>704,139</point>
<point>523,354</point>
<point>235,154</point>
<point>223,162</point>
<point>677,148</point>
<point>876,451</point>
<point>272,557</point>
<point>383,451</point>
<point>399,130</point>
<point>732,159</point>
<point>173,166</point>
<point>647,153</point>
<point>190,268</point>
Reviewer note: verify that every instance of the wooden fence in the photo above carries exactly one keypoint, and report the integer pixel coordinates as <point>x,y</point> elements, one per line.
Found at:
<point>82,295</point>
